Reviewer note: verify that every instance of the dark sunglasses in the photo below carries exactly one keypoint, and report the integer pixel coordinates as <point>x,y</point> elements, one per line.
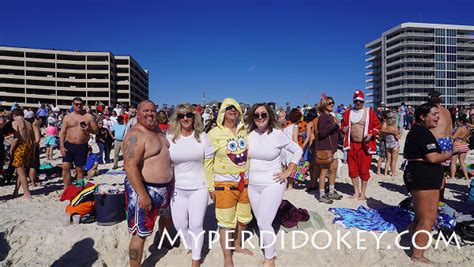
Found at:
<point>358,101</point>
<point>231,108</point>
<point>188,115</point>
<point>78,104</point>
<point>330,103</point>
<point>262,115</point>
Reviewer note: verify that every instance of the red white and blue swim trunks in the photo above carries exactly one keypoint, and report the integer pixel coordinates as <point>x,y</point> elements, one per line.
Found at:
<point>141,222</point>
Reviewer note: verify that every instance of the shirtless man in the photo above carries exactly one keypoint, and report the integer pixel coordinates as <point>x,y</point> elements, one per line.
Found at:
<point>73,138</point>
<point>442,132</point>
<point>148,183</point>
<point>21,150</point>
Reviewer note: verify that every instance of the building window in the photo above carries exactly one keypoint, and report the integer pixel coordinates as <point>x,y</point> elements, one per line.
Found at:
<point>451,50</point>
<point>440,32</point>
<point>440,57</point>
<point>440,49</point>
<point>451,41</point>
<point>440,66</point>
<point>440,83</point>
<point>451,75</point>
<point>451,32</point>
<point>451,58</point>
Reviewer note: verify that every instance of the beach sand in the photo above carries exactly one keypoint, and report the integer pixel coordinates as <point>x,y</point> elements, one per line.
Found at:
<point>32,232</point>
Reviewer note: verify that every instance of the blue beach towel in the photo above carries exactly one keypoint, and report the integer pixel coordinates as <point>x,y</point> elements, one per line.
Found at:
<point>391,219</point>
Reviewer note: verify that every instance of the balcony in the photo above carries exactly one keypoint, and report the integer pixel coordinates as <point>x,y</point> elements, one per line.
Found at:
<point>412,77</point>
<point>411,34</point>
<point>370,52</point>
<point>410,69</point>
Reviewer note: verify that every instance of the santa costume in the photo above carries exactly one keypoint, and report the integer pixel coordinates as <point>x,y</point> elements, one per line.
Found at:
<point>360,123</point>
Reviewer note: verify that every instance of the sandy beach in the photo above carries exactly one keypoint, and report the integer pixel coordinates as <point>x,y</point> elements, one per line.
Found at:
<point>32,232</point>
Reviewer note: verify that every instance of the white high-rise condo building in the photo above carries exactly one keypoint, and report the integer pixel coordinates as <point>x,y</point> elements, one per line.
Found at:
<point>412,59</point>
<point>31,76</point>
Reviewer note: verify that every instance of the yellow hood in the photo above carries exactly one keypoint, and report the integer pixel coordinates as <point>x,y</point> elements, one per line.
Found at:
<point>231,151</point>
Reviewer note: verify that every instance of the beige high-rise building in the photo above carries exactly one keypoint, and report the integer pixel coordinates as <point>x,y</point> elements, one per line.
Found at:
<point>412,59</point>
<point>30,76</point>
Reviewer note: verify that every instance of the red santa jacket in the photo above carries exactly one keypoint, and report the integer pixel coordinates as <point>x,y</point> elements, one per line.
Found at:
<point>372,126</point>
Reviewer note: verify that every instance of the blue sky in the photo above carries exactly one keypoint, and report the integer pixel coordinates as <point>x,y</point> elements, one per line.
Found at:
<point>250,50</point>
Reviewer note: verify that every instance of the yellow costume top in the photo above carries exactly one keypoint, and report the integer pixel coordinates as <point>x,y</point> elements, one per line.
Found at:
<point>231,150</point>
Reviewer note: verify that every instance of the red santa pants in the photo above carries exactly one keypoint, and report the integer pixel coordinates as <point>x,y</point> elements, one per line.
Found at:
<point>359,161</point>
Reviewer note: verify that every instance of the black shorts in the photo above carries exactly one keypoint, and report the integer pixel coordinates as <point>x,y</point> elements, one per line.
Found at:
<point>420,175</point>
<point>76,154</point>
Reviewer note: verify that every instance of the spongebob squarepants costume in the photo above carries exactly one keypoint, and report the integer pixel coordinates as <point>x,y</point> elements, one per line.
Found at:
<point>227,172</point>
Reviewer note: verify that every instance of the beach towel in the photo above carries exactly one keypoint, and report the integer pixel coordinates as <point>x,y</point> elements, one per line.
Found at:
<point>390,219</point>
<point>74,189</point>
<point>82,209</point>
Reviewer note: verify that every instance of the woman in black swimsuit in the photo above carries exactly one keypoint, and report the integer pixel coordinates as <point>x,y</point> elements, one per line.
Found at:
<point>423,175</point>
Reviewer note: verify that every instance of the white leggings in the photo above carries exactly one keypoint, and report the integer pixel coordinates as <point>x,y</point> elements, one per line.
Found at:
<point>265,201</point>
<point>188,208</point>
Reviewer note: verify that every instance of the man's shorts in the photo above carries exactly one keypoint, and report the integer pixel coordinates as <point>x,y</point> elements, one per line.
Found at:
<point>141,222</point>
<point>446,145</point>
<point>50,141</point>
<point>232,206</point>
<point>76,153</point>
<point>22,156</point>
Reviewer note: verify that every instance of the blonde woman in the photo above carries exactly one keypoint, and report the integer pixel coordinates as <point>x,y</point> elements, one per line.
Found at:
<point>328,139</point>
<point>189,147</point>
<point>392,145</point>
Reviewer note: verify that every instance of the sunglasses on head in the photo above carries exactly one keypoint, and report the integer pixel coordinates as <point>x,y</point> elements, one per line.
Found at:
<point>188,115</point>
<point>231,108</point>
<point>262,115</point>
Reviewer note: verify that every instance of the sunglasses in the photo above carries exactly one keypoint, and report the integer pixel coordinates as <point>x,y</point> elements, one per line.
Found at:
<point>231,108</point>
<point>330,103</point>
<point>358,101</point>
<point>78,104</point>
<point>262,115</point>
<point>188,115</point>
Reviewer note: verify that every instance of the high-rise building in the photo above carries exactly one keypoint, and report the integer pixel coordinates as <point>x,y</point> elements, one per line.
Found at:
<point>412,59</point>
<point>31,76</point>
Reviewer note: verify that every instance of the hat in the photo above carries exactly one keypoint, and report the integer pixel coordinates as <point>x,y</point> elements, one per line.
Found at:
<point>358,95</point>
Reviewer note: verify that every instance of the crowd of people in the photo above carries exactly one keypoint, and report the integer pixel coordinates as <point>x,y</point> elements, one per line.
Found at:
<point>241,157</point>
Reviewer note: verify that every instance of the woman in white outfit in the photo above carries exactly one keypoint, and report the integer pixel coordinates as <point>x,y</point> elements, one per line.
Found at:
<point>267,181</point>
<point>189,146</point>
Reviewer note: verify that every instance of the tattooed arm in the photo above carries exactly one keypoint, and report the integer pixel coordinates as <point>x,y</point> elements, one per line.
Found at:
<point>134,150</point>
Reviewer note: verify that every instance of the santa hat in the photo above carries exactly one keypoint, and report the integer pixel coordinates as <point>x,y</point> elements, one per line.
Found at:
<point>358,95</point>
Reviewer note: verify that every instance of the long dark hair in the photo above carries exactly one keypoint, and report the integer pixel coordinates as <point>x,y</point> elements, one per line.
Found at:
<point>272,120</point>
<point>423,110</point>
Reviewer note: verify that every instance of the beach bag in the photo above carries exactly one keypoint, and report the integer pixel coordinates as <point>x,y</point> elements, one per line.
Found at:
<point>470,197</point>
<point>110,208</point>
<point>325,156</point>
<point>299,173</point>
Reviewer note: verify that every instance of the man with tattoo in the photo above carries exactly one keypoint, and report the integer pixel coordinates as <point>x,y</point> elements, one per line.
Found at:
<point>148,183</point>
<point>73,138</point>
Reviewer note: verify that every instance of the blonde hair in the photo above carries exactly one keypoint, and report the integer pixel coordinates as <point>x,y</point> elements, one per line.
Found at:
<point>391,119</point>
<point>175,126</point>
<point>324,103</point>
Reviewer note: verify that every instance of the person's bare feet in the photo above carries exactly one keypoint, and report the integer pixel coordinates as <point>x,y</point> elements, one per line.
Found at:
<point>355,196</point>
<point>228,262</point>
<point>243,251</point>
<point>269,262</point>
<point>195,263</point>
<point>423,259</point>
<point>361,197</point>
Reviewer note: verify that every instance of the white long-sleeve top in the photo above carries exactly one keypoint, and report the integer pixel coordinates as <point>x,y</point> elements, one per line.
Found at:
<point>188,155</point>
<point>264,155</point>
